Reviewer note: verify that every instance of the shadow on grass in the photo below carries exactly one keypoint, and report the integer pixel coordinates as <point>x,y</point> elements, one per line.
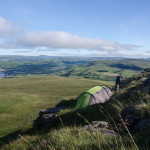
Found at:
<point>10,137</point>
<point>77,117</point>
<point>67,103</point>
<point>37,128</point>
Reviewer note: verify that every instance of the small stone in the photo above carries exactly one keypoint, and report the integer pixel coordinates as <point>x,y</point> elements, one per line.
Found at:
<point>128,111</point>
<point>144,124</point>
<point>101,124</point>
<point>52,110</point>
<point>104,131</point>
<point>131,120</point>
<point>85,127</point>
<point>101,127</point>
<point>48,116</point>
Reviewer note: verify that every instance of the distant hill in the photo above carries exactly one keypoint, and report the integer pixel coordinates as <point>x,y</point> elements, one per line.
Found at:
<point>108,69</point>
<point>91,68</point>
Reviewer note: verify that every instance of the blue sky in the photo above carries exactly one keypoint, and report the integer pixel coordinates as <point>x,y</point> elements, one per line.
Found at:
<point>102,28</point>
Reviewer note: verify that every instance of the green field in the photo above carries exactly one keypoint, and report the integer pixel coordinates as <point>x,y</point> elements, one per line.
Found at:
<point>21,99</point>
<point>91,68</point>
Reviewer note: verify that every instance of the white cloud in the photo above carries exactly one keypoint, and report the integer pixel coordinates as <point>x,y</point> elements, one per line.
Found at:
<point>53,40</point>
<point>7,29</point>
<point>147,52</point>
<point>64,40</point>
<point>126,55</point>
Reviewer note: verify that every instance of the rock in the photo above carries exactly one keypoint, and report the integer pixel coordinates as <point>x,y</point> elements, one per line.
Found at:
<point>52,110</point>
<point>131,120</point>
<point>48,116</point>
<point>104,131</point>
<point>129,117</point>
<point>144,124</point>
<point>101,124</point>
<point>96,124</point>
<point>128,111</point>
<point>86,127</point>
<point>89,128</point>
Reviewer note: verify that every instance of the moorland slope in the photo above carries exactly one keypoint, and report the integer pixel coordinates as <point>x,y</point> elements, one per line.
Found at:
<point>125,113</point>
<point>91,68</point>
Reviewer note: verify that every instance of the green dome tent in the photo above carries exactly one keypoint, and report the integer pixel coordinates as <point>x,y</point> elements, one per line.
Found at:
<point>95,95</point>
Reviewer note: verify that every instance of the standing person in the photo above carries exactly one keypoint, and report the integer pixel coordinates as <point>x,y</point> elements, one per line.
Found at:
<point>118,80</point>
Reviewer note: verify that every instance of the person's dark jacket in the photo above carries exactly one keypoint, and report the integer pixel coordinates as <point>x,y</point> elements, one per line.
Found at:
<point>118,79</point>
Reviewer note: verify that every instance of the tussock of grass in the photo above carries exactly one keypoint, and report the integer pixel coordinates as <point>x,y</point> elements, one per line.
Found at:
<point>69,138</point>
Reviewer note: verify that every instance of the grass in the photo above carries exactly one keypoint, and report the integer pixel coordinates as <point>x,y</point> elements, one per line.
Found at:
<point>66,131</point>
<point>111,112</point>
<point>21,99</point>
<point>67,138</point>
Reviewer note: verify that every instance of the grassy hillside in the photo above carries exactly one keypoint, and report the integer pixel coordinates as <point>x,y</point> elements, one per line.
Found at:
<point>92,68</point>
<point>66,131</point>
<point>109,69</point>
<point>21,99</point>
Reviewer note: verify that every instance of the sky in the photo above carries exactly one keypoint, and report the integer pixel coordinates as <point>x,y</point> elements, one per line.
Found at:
<point>83,28</point>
